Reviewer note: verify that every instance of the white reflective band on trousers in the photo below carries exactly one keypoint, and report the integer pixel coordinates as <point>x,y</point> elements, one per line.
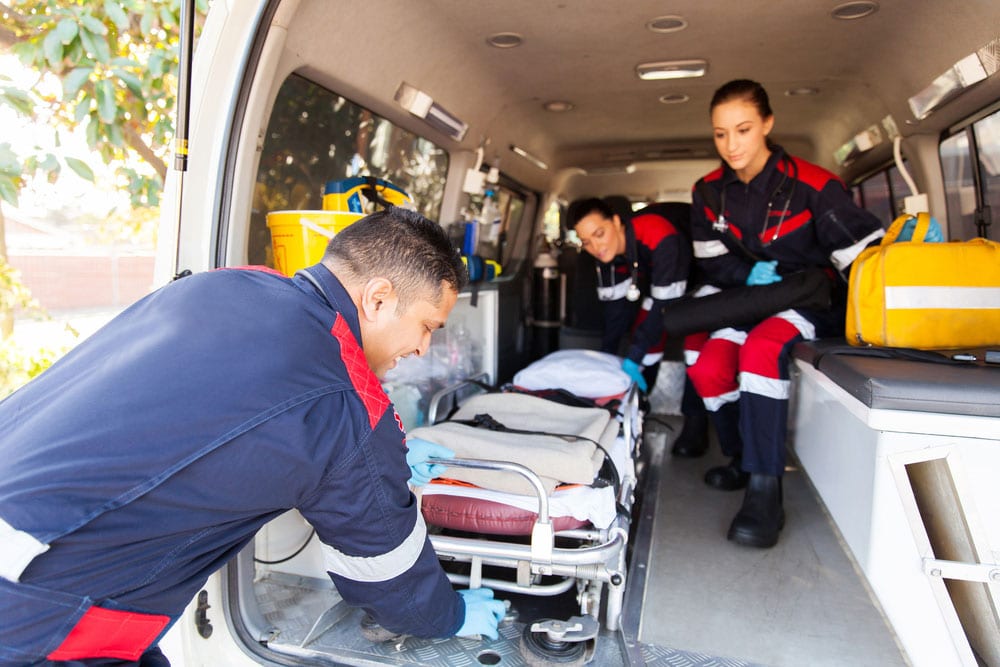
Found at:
<point>951,298</point>
<point>764,386</point>
<point>17,550</point>
<point>382,567</point>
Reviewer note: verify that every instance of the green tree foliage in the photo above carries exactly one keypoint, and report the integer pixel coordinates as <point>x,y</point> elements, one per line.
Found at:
<point>117,62</point>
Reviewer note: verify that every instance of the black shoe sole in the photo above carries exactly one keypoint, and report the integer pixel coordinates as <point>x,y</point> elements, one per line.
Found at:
<point>752,538</point>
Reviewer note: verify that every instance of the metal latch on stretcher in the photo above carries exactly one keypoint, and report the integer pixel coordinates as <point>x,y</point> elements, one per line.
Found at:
<point>987,573</point>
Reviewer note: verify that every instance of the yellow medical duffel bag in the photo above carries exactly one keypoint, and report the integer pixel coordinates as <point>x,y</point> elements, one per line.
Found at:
<point>925,295</point>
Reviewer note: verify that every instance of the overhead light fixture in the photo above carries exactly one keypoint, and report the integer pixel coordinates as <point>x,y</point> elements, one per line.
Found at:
<point>672,69</point>
<point>665,24</point>
<point>558,106</point>
<point>422,106</point>
<point>850,11</point>
<point>505,40</point>
<point>674,98</point>
<point>517,150</point>
<point>968,71</point>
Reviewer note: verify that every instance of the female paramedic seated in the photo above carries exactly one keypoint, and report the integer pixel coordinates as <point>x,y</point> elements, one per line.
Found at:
<point>641,253</point>
<point>149,455</point>
<point>792,215</point>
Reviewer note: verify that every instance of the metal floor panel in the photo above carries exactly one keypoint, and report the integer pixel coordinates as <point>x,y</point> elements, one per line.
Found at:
<point>291,604</point>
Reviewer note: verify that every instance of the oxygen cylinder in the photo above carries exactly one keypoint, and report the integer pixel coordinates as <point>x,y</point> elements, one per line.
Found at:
<point>547,304</point>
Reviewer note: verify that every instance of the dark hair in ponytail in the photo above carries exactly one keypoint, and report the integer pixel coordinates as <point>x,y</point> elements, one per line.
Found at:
<point>744,89</point>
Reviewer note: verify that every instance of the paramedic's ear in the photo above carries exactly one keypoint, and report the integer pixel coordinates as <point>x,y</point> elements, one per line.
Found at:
<point>375,296</point>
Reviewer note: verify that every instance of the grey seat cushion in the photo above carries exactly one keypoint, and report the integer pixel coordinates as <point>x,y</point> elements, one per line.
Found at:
<point>902,384</point>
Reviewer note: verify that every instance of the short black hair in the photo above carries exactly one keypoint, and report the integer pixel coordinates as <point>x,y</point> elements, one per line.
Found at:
<point>581,208</point>
<point>406,248</point>
<point>620,205</point>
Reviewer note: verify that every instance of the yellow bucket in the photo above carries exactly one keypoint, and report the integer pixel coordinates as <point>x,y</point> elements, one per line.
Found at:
<point>299,238</point>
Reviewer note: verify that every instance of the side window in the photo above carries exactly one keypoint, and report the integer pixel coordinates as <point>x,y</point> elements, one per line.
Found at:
<point>875,195</point>
<point>970,162</point>
<point>315,136</point>
<point>882,194</point>
<point>959,188</point>
<point>502,224</point>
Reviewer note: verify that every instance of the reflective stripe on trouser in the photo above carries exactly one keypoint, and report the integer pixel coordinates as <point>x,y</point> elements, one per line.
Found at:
<point>764,390</point>
<point>751,368</point>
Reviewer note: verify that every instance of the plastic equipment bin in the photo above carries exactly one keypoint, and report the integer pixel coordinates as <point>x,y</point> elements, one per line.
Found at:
<point>299,238</point>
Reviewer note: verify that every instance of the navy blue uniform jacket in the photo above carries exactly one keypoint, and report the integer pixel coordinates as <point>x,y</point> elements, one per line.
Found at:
<point>150,455</point>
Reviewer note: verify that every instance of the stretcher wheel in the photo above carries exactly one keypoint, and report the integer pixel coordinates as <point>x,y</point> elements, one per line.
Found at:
<point>543,644</point>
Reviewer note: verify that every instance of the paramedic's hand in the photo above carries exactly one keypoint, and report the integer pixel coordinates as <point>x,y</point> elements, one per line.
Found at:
<point>482,613</point>
<point>764,273</point>
<point>634,371</point>
<point>933,234</point>
<point>422,470</point>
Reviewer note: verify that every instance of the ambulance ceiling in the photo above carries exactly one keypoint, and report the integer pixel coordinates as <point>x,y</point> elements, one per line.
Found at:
<point>585,53</point>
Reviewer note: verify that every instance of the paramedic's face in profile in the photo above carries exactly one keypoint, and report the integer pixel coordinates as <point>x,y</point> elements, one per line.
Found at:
<point>601,237</point>
<point>394,333</point>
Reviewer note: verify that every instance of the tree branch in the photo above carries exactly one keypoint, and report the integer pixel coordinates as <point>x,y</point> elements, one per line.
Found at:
<point>13,19</point>
<point>135,142</point>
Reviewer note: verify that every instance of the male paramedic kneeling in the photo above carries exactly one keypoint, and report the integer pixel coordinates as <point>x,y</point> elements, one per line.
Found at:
<point>146,458</point>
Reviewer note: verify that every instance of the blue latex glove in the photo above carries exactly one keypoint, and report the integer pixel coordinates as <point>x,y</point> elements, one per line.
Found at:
<point>634,371</point>
<point>482,613</point>
<point>422,470</point>
<point>764,273</point>
<point>933,235</point>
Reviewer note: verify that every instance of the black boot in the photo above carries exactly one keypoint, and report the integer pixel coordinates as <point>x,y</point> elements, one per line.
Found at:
<point>729,477</point>
<point>693,439</point>
<point>761,517</point>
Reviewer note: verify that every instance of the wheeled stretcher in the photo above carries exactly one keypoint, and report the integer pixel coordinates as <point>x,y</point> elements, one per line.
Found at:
<point>540,491</point>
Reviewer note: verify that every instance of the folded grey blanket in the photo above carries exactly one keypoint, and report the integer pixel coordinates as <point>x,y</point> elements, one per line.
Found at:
<point>556,460</point>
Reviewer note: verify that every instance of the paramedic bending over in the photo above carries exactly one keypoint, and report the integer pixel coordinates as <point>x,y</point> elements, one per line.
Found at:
<point>642,260</point>
<point>793,215</point>
<point>149,456</point>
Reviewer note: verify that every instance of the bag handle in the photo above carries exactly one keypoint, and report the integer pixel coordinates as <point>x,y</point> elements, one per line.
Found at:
<point>919,232</point>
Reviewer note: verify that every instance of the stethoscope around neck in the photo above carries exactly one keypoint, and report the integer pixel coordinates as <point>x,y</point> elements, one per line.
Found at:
<point>632,293</point>
<point>722,225</point>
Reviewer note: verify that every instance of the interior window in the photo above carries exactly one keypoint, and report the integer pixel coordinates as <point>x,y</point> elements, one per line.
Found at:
<point>876,196</point>
<point>500,214</point>
<point>960,191</point>
<point>970,162</point>
<point>987,133</point>
<point>315,136</point>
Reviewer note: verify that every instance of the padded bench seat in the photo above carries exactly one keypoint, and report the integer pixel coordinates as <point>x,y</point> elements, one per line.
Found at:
<point>901,384</point>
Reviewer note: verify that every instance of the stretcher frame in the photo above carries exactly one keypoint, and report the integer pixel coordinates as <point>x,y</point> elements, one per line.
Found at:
<point>601,562</point>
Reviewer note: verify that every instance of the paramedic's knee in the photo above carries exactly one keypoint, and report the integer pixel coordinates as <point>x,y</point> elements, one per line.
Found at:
<point>765,343</point>
<point>714,373</point>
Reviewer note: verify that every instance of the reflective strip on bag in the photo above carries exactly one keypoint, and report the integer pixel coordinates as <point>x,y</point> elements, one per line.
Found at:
<point>948,298</point>
<point>17,550</point>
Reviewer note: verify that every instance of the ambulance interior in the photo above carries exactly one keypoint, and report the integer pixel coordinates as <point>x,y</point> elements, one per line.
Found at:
<point>493,117</point>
